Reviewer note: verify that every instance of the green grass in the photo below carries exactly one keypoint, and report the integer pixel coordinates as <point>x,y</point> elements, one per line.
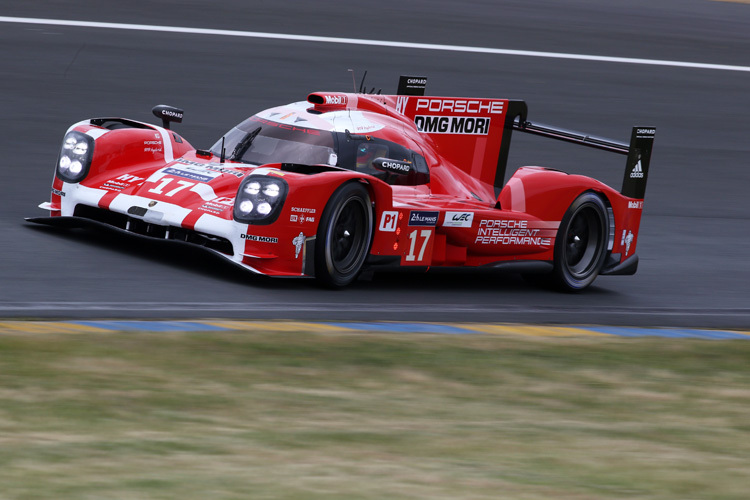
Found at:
<point>371,416</point>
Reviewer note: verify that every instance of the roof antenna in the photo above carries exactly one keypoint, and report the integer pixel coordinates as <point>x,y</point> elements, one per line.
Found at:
<point>354,82</point>
<point>362,83</point>
<point>223,151</point>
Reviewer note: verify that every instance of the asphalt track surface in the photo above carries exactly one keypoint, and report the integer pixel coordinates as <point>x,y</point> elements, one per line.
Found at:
<point>695,233</point>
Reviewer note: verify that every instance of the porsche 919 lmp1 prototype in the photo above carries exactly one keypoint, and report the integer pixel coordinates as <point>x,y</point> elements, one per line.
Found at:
<point>343,182</point>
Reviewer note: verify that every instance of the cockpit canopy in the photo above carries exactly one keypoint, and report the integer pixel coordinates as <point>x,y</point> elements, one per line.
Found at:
<point>258,141</point>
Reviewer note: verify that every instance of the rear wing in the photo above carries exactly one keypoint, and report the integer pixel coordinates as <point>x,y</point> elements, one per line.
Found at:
<point>638,151</point>
<point>488,148</point>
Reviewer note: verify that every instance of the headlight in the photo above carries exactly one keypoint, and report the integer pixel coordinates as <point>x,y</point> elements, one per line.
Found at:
<point>259,199</point>
<point>264,208</point>
<point>246,207</point>
<point>271,190</point>
<point>75,156</point>
<point>252,188</point>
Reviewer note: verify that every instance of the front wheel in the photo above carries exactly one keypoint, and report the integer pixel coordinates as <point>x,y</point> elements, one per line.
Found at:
<point>344,235</point>
<point>581,243</point>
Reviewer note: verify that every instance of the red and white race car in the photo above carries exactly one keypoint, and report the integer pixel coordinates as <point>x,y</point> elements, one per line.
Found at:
<point>343,182</point>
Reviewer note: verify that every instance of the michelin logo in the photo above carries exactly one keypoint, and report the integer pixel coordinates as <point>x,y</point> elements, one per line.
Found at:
<point>627,240</point>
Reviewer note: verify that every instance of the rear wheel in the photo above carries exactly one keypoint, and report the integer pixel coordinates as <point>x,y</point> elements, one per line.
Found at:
<point>344,236</point>
<point>581,243</point>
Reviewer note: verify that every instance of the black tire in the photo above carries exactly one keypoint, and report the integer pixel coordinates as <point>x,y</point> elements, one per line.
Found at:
<point>344,236</point>
<point>581,243</point>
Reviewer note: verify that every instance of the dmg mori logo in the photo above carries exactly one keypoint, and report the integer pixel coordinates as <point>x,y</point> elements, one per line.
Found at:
<point>467,125</point>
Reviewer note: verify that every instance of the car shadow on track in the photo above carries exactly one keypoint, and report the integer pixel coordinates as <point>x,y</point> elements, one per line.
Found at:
<point>461,280</point>
<point>183,257</point>
<point>175,254</point>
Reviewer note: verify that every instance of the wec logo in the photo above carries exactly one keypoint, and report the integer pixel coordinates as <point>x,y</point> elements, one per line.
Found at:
<point>458,219</point>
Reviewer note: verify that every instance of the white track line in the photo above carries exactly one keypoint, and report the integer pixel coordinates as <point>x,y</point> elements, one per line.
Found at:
<point>372,43</point>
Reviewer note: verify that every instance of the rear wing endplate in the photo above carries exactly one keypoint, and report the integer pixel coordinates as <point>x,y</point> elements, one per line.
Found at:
<point>638,151</point>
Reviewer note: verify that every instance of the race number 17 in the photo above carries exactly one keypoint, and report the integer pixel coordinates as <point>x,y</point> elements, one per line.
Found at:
<point>168,180</point>
<point>418,245</point>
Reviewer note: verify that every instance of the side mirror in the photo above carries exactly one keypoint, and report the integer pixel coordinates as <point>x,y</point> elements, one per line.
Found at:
<point>398,167</point>
<point>167,114</point>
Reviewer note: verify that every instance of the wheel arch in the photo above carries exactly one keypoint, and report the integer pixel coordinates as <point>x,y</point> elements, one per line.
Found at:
<point>583,241</point>
<point>344,235</point>
<point>547,194</point>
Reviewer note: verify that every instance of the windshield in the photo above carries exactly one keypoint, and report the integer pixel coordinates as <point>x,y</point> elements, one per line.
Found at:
<point>259,141</point>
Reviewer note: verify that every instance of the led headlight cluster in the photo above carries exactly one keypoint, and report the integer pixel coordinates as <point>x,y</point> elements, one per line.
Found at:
<point>259,199</point>
<point>75,156</point>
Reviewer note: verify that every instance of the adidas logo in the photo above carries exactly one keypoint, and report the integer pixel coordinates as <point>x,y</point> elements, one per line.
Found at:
<point>637,172</point>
